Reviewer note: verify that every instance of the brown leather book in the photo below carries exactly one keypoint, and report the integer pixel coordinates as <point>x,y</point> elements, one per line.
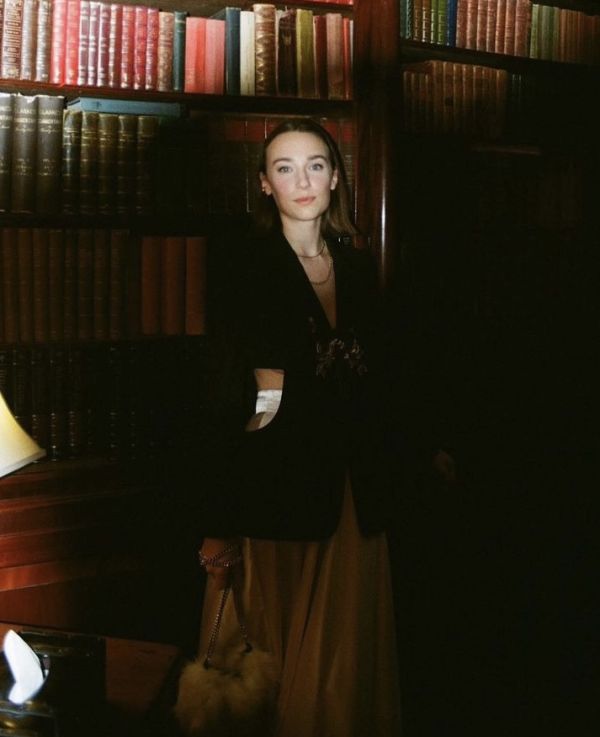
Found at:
<point>40,273</point>
<point>108,134</point>
<point>287,84</point>
<point>71,154</point>
<point>10,294</point>
<point>172,293</point>
<point>195,285</point>
<point>25,284</point>
<point>265,48</point>
<point>28,38</point>
<point>49,153</point>
<point>56,284</point>
<point>88,163</point>
<point>43,41</point>
<point>126,163</point>
<point>23,154</point>
<point>10,66</point>
<point>6,136</point>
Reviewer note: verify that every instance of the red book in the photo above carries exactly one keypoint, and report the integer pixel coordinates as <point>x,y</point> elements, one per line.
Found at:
<point>114,45</point>
<point>150,264</point>
<point>195,285</point>
<point>151,49</point>
<point>500,27</point>
<point>195,40</point>
<point>166,28</point>
<point>509,26</point>
<point>103,45</point>
<point>127,46</point>
<point>522,25</point>
<point>58,42</point>
<point>139,47</point>
<point>84,41</point>
<point>214,57</point>
<point>461,24</point>
<point>335,56</point>
<point>93,44</point>
<point>471,25</point>
<point>72,42</point>
<point>481,24</point>
<point>490,31</point>
<point>172,312</point>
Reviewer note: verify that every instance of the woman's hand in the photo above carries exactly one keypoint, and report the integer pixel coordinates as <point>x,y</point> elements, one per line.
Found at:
<point>222,551</point>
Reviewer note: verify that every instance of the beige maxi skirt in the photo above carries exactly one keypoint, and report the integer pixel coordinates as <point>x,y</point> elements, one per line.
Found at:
<point>325,611</point>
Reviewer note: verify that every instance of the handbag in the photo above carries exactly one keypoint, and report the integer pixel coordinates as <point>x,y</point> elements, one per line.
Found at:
<point>234,694</point>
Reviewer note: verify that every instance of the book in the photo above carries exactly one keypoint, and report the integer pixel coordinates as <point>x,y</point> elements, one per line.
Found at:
<point>71,156</point>
<point>146,138</point>
<point>23,154</point>
<point>172,286</point>
<point>69,303</point>
<point>57,402</point>
<point>195,42</point>
<point>166,27</point>
<point>321,53</point>
<point>152,49</point>
<point>286,57</point>
<point>100,283</point>
<point>117,284</point>
<point>103,45</point>
<point>127,107</point>
<point>126,150</point>
<point>58,41</point>
<point>348,56</point>
<point>247,53</point>
<point>195,285</point>
<point>179,24</point>
<point>140,46</point>
<point>230,16</point>
<point>93,44</point>
<point>150,275</point>
<point>10,62</point>
<point>56,281</point>
<point>39,396</point>
<point>108,136</point>
<point>265,48</point>
<point>41,284</point>
<point>509,27</point>
<point>43,41</point>
<point>500,27</point>
<point>28,39</point>
<point>214,57</point>
<point>48,153</point>
<point>10,289</point>
<point>523,24</point>
<point>85,284</point>
<point>114,45</point>
<point>335,59</point>
<point>6,140</point>
<point>88,163</point>
<point>25,284</point>
<point>72,42</point>
<point>305,55</point>
<point>84,41</point>
<point>127,46</point>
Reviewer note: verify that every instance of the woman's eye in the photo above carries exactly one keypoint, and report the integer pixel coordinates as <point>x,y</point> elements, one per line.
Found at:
<point>317,167</point>
<point>283,169</point>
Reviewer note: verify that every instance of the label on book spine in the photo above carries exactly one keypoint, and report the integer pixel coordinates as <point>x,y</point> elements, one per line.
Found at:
<point>43,41</point>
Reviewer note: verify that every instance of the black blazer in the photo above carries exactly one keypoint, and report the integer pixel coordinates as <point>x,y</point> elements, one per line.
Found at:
<point>286,480</point>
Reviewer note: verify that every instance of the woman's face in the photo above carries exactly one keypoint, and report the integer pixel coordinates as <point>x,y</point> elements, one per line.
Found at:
<point>299,176</point>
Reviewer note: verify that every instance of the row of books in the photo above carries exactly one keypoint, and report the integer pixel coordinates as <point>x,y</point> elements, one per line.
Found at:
<point>79,161</point>
<point>486,103</point>
<point>262,51</point>
<point>513,27</point>
<point>78,400</point>
<point>96,284</point>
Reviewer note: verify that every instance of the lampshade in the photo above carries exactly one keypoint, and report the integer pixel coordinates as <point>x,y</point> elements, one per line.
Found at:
<point>17,449</point>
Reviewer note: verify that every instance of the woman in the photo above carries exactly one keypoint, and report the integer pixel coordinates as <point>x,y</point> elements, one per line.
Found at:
<point>304,487</point>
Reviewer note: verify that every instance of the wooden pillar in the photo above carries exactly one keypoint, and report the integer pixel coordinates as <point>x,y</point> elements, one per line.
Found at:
<point>377,94</point>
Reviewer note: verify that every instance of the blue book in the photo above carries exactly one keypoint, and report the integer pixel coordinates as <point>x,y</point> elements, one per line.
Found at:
<point>127,107</point>
<point>179,50</point>
<point>451,23</point>
<point>231,16</point>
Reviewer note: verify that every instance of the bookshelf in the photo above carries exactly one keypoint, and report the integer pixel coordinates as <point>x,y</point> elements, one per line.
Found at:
<point>107,402</point>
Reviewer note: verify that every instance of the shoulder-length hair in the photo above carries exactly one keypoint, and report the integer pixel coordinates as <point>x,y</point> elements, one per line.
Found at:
<point>337,220</point>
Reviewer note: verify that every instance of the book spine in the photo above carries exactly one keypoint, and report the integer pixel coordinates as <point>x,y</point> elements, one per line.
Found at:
<point>286,58</point>
<point>500,27</point>
<point>172,292</point>
<point>461,24</point>
<point>348,51</point>
<point>69,303</point>
<point>126,164</point>
<point>152,49</point>
<point>147,133</point>
<point>117,284</point>
<point>48,153</point>
<point>481,24</point>
<point>179,24</point>
<point>71,153</point>
<point>23,154</point>
<point>25,284</point>
<point>108,133</point>
<point>75,402</point>
<point>58,41</point>
<point>509,27</point>
<point>214,64</point>
<point>57,403</point>
<point>335,62</point>
<point>28,38</point>
<point>232,51</point>
<point>56,284</point>
<point>104,22</point>
<point>150,271</point>
<point>490,31</point>
<point>424,12</point>
<point>166,22</point>
<point>133,309</point>
<point>84,41</point>
<point>20,389</point>
<point>195,285</point>
<point>93,44</point>
<point>6,140</point>
<point>40,421</point>
<point>450,39</point>
<point>523,25</point>
<point>41,284</point>
<point>10,289</point>
<point>114,45</point>
<point>11,39</point>
<point>85,284</point>
<point>139,47</point>
<point>247,53</point>
<point>43,41</point>
<point>72,42</point>
<point>127,46</point>
<point>265,48</point>
<point>471,24</point>
<point>100,283</point>
<point>88,163</point>
<point>305,58</point>
<point>190,81</point>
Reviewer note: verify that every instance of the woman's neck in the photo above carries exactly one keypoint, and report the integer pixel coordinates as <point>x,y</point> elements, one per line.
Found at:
<point>304,238</point>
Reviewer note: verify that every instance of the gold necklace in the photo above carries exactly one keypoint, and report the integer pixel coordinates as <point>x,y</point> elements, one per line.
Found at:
<point>326,279</point>
<point>316,255</point>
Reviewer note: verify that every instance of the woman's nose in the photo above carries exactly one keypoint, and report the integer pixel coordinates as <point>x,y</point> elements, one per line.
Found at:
<point>303,178</point>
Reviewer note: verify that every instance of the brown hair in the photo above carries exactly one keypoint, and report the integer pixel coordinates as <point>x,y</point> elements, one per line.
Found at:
<point>337,219</point>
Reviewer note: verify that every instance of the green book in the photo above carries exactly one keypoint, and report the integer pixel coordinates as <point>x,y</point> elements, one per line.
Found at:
<point>534,32</point>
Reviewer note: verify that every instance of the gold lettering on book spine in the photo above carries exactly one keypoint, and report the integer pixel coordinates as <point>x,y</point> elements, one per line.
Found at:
<point>264,36</point>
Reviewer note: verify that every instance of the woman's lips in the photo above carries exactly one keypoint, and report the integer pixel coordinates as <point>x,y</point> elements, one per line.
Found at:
<point>304,200</point>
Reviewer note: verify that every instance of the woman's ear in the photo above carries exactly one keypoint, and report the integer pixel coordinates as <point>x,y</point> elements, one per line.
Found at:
<point>264,184</point>
<point>334,179</point>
